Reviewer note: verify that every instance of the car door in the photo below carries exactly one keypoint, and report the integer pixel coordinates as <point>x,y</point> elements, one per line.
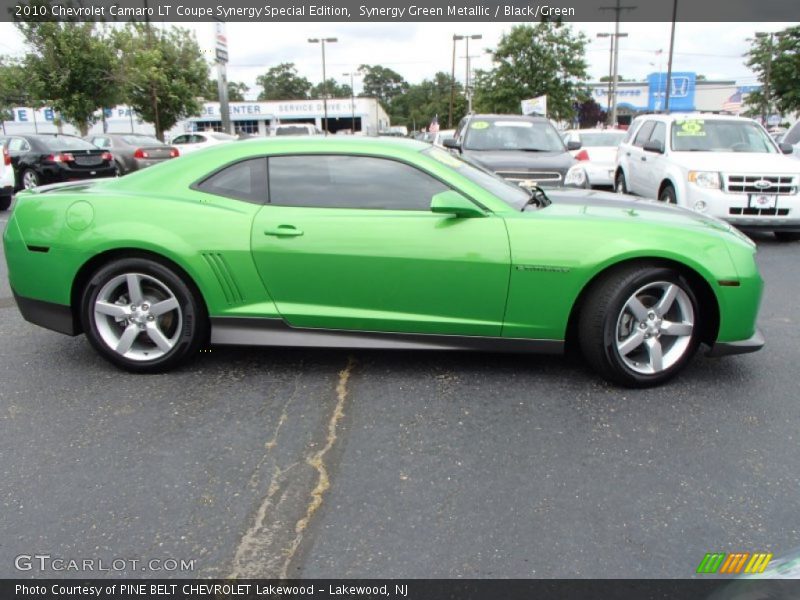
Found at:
<point>349,242</point>
<point>654,165</point>
<point>21,153</point>
<point>637,159</point>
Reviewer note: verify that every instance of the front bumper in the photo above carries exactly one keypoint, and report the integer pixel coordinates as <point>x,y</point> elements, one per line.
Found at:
<point>734,209</point>
<point>753,344</point>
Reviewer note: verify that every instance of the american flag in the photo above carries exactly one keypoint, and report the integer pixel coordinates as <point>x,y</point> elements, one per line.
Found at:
<point>434,126</point>
<point>734,103</point>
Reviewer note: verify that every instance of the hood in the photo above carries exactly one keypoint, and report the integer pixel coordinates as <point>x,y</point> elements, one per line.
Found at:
<point>517,160</point>
<point>738,162</point>
<point>596,203</point>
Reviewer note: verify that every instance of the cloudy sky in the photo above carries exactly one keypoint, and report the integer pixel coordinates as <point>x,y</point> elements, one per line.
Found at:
<point>418,50</point>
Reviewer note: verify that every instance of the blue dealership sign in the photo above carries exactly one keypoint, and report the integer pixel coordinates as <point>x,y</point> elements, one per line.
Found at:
<point>681,97</point>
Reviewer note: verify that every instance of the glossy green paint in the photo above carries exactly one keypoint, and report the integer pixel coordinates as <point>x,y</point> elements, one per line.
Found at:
<point>506,273</point>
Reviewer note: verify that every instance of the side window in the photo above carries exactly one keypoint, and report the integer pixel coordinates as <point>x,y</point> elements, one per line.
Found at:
<point>460,129</point>
<point>793,135</point>
<point>644,133</point>
<point>659,134</point>
<point>181,139</point>
<point>17,145</point>
<point>245,180</point>
<point>338,181</point>
<point>634,127</point>
<point>197,139</point>
<point>102,142</point>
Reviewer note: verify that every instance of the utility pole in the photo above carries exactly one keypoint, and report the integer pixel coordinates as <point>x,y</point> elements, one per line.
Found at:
<point>468,87</point>
<point>153,94</point>
<point>615,76</point>
<point>452,82</point>
<point>351,75</point>
<point>668,90</point>
<point>322,41</point>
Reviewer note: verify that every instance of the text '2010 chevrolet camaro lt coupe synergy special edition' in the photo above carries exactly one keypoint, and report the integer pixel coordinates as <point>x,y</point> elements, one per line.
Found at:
<point>374,243</point>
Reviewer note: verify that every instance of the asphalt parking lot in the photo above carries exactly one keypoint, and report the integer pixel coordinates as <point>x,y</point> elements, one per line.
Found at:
<point>311,463</point>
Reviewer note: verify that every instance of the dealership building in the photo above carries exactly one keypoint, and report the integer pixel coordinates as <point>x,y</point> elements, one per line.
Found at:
<point>254,118</point>
<point>687,94</point>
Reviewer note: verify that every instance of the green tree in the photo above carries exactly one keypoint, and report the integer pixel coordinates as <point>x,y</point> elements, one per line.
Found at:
<point>333,89</point>
<point>283,83</point>
<point>784,67</point>
<point>58,73</point>
<point>421,102</point>
<point>164,73</point>
<point>606,78</point>
<point>236,91</point>
<point>382,83</point>
<point>530,61</point>
<point>14,88</point>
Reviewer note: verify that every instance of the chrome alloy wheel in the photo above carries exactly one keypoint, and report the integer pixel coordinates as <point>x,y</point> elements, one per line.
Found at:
<point>138,316</point>
<point>29,180</point>
<point>654,327</point>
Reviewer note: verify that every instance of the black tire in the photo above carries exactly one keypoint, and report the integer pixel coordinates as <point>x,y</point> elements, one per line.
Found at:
<point>187,328</point>
<point>787,236</point>
<point>604,310</point>
<point>119,170</point>
<point>5,202</point>
<point>667,195</point>
<point>34,177</point>
<point>620,185</point>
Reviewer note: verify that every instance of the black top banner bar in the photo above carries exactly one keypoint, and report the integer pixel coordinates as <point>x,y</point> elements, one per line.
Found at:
<point>269,11</point>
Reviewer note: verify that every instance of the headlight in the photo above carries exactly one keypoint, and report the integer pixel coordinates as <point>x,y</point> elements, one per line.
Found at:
<point>706,179</point>
<point>575,176</point>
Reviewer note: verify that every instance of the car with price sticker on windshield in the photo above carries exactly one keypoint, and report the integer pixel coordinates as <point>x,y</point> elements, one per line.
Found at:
<point>722,166</point>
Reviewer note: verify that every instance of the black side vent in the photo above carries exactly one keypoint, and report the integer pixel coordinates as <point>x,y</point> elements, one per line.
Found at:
<point>219,267</point>
<point>42,249</point>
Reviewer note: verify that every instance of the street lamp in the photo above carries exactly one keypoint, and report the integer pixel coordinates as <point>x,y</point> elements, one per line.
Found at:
<point>765,107</point>
<point>322,42</point>
<point>467,87</point>
<point>351,75</point>
<point>467,92</point>
<point>611,110</point>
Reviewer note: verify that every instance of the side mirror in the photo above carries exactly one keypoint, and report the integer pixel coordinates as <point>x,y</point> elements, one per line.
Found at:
<point>452,144</point>
<point>653,146</point>
<point>786,148</point>
<point>453,203</point>
<point>573,145</point>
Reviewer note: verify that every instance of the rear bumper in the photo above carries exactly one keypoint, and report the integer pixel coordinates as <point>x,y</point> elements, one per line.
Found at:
<point>48,315</point>
<point>753,344</point>
<point>7,190</point>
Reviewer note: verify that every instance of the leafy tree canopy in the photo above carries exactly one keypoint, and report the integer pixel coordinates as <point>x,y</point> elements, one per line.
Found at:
<point>282,82</point>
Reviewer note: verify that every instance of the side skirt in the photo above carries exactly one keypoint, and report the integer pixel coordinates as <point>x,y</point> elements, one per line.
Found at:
<point>276,332</point>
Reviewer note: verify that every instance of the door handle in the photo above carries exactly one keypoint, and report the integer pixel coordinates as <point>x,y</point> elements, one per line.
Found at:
<point>284,231</point>
<point>644,159</point>
<point>627,154</point>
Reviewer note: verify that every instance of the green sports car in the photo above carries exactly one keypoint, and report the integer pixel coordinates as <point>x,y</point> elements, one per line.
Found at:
<point>375,243</point>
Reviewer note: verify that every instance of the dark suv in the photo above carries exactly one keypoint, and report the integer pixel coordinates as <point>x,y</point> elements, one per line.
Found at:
<point>525,150</point>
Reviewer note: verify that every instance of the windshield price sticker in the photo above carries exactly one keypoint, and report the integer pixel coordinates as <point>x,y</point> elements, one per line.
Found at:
<point>479,125</point>
<point>691,128</point>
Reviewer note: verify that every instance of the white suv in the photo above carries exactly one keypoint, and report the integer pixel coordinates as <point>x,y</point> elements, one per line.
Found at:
<point>7,180</point>
<point>726,167</point>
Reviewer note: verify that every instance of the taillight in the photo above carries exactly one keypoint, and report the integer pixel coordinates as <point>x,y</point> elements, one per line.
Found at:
<point>107,156</point>
<point>61,157</point>
<point>139,153</point>
<point>582,155</point>
<point>173,153</point>
<point>6,156</point>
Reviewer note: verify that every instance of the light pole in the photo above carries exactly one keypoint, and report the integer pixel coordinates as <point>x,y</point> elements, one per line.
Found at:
<point>467,87</point>
<point>766,107</point>
<point>352,75</point>
<point>617,8</point>
<point>452,82</point>
<point>610,70</point>
<point>671,53</point>
<point>322,42</point>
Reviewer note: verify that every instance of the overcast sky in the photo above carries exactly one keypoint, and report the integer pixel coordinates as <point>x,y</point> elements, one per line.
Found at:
<point>418,50</point>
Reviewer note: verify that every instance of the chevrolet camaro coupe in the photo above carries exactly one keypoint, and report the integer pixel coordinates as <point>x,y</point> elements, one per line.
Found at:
<point>376,243</point>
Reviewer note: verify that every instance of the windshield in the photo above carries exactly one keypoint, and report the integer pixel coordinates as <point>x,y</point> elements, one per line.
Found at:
<point>511,194</point>
<point>66,142</point>
<point>141,140</point>
<point>699,135</point>
<point>512,134</point>
<point>601,138</point>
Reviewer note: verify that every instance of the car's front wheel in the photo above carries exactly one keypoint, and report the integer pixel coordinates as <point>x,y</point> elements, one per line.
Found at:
<point>30,179</point>
<point>142,316</point>
<point>639,325</point>
<point>620,185</point>
<point>667,195</point>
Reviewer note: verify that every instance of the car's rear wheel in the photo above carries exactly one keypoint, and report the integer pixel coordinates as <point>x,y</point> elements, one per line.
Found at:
<point>142,316</point>
<point>639,325</point>
<point>620,185</point>
<point>119,170</point>
<point>667,195</point>
<point>787,236</point>
<point>30,179</point>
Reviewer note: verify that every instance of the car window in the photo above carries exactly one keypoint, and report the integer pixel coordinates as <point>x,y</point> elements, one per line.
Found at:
<point>142,140</point>
<point>17,145</point>
<point>644,133</point>
<point>720,135</point>
<point>197,139</point>
<point>598,139</point>
<point>181,139</point>
<point>659,134</point>
<point>632,130</point>
<point>245,180</point>
<point>512,134</point>
<point>66,142</point>
<point>793,135</point>
<point>293,130</point>
<point>101,142</point>
<point>339,181</point>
